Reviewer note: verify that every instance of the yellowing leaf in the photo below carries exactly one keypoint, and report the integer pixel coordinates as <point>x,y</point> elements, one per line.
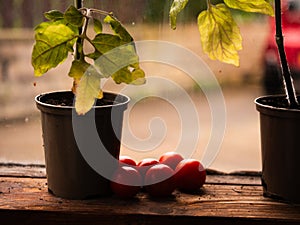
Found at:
<point>100,94</point>
<point>138,77</point>
<point>176,7</point>
<point>220,35</point>
<point>78,68</point>
<point>87,91</point>
<point>258,6</point>
<point>124,75</point>
<point>53,41</point>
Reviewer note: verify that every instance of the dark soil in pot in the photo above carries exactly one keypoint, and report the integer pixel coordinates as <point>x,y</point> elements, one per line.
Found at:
<point>280,148</point>
<point>67,99</point>
<point>69,174</point>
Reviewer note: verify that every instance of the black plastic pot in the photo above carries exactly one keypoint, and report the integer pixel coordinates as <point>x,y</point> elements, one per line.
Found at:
<point>280,147</point>
<point>69,175</point>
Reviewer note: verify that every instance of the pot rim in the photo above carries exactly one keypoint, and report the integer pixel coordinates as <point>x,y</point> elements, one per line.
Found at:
<point>258,103</point>
<point>39,102</point>
<point>275,111</point>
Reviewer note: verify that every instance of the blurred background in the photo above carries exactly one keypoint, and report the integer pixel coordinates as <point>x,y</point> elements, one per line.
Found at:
<point>20,132</point>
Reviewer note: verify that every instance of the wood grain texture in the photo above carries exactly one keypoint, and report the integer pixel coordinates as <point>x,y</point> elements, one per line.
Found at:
<point>225,199</point>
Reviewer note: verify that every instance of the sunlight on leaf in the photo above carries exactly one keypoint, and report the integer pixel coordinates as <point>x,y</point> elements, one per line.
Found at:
<point>220,35</point>
<point>258,6</point>
<point>53,41</point>
<point>176,7</point>
<point>87,91</point>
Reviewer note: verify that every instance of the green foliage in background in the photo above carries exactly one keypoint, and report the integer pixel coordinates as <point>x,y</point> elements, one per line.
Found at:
<point>219,33</point>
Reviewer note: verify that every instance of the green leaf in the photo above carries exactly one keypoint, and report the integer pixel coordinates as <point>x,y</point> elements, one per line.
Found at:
<point>118,28</point>
<point>97,26</point>
<point>106,42</point>
<point>220,35</point>
<point>78,68</point>
<point>122,76</point>
<point>74,16</point>
<point>54,15</point>
<point>258,6</point>
<point>94,55</point>
<point>116,59</point>
<point>87,91</point>
<point>53,41</point>
<point>176,7</point>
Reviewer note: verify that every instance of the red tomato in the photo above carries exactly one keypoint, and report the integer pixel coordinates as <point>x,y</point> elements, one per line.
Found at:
<point>190,175</point>
<point>171,159</point>
<point>145,164</point>
<point>159,181</point>
<point>126,161</point>
<point>126,182</point>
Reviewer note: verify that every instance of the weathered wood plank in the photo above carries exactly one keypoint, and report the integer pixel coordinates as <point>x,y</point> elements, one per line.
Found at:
<point>27,200</point>
<point>18,170</point>
<point>215,177</point>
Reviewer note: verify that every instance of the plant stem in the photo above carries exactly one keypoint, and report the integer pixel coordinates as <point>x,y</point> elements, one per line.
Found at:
<point>78,54</point>
<point>287,77</point>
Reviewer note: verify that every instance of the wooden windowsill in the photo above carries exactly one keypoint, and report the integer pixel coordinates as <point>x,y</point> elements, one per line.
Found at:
<point>225,199</point>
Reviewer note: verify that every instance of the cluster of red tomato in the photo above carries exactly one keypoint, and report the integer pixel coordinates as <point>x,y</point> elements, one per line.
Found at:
<point>158,177</point>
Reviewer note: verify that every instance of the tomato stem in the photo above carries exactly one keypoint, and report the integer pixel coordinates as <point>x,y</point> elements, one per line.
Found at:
<point>287,77</point>
<point>78,4</point>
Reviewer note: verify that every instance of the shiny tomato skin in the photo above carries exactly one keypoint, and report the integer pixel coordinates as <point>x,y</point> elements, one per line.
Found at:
<point>171,159</point>
<point>145,164</point>
<point>190,175</point>
<point>159,181</point>
<point>126,182</point>
<point>126,161</point>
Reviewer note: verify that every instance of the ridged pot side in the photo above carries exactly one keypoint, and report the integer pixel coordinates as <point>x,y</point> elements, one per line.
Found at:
<point>280,151</point>
<point>68,173</point>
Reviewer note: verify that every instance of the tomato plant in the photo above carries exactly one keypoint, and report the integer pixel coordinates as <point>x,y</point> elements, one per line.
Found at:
<point>190,175</point>
<point>159,180</point>
<point>126,182</point>
<point>56,38</point>
<point>171,159</point>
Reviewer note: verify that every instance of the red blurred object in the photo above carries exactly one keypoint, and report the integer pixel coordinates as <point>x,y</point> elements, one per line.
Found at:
<point>126,182</point>
<point>171,159</point>
<point>126,161</point>
<point>146,164</point>
<point>291,32</point>
<point>190,175</point>
<point>160,181</point>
